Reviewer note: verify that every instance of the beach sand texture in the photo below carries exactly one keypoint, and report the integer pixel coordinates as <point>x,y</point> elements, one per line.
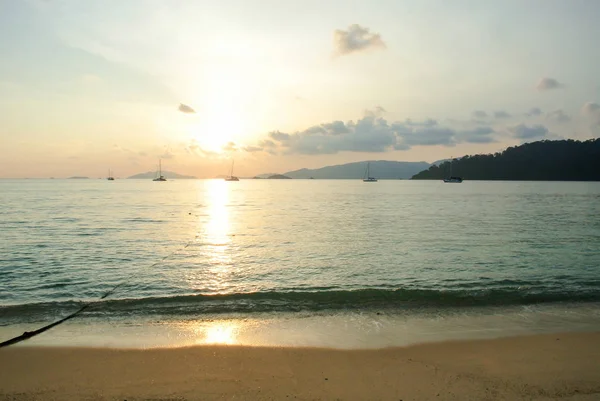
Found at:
<point>541,367</point>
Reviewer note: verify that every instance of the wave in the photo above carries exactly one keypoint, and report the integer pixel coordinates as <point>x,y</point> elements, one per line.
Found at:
<point>299,301</point>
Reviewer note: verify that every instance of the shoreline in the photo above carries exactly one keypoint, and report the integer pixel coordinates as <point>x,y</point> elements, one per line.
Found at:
<point>340,330</point>
<point>562,366</point>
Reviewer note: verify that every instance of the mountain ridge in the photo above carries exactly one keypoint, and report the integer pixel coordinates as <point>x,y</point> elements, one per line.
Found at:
<point>382,169</point>
<point>167,174</point>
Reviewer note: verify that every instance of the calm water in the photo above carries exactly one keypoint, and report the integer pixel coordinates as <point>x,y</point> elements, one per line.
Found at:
<point>188,249</point>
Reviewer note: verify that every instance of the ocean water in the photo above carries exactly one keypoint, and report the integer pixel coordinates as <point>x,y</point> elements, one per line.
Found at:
<point>292,261</point>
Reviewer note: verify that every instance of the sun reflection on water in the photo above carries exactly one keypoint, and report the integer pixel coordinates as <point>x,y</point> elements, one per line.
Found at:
<point>222,332</point>
<point>211,258</point>
<point>217,229</point>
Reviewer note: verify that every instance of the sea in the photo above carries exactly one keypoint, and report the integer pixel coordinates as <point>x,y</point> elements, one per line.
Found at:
<point>317,263</point>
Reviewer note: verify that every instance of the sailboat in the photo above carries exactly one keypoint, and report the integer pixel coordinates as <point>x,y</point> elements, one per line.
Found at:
<point>110,176</point>
<point>159,176</point>
<point>367,177</point>
<point>451,179</point>
<point>231,176</point>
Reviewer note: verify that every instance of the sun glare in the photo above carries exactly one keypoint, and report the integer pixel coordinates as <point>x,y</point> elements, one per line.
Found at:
<point>220,333</point>
<point>217,131</point>
<point>222,114</point>
<point>215,332</point>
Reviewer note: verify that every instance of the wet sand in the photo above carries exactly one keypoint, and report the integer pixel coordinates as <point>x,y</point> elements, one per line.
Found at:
<point>543,367</point>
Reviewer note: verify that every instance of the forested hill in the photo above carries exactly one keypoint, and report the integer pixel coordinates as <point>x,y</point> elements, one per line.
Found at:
<point>566,160</point>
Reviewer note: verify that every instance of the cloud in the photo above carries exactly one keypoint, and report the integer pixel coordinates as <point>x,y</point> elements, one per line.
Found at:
<point>590,108</point>
<point>534,111</point>
<point>280,136</point>
<point>479,114</point>
<point>591,111</point>
<point>429,122</point>
<point>482,134</point>
<point>355,39</point>
<point>523,131</point>
<point>230,147</point>
<point>378,111</point>
<point>184,108</point>
<point>252,149</point>
<point>558,116</point>
<point>266,145</point>
<point>332,128</point>
<point>501,114</point>
<point>548,84</point>
<point>371,134</point>
<point>424,136</point>
<point>194,148</point>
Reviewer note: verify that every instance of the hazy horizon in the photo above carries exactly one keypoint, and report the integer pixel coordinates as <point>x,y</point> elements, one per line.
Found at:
<point>85,87</point>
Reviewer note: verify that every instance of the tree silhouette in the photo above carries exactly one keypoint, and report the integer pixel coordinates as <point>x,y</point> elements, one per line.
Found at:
<point>565,160</point>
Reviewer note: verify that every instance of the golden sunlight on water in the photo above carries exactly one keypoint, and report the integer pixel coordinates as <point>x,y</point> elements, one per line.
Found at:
<point>223,332</point>
<point>212,259</point>
<point>217,229</point>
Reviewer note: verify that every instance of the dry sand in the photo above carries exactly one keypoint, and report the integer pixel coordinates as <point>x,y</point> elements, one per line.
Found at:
<point>546,367</point>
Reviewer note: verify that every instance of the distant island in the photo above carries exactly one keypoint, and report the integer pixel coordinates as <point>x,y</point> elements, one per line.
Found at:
<point>267,175</point>
<point>76,178</point>
<point>278,177</point>
<point>382,169</point>
<point>564,160</point>
<point>167,174</point>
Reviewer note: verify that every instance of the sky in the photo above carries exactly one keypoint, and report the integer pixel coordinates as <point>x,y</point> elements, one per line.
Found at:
<point>278,85</point>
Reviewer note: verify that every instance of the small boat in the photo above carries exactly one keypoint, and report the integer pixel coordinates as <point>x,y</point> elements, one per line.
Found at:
<point>110,176</point>
<point>159,176</point>
<point>231,177</point>
<point>452,179</point>
<point>367,177</point>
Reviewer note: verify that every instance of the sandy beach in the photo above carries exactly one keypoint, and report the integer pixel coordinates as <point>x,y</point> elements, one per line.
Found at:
<point>542,367</point>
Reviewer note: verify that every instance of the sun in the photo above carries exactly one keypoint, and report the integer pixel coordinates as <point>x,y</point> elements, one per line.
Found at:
<point>214,133</point>
<point>223,115</point>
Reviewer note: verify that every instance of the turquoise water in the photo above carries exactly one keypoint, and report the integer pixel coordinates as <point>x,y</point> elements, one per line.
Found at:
<point>188,249</point>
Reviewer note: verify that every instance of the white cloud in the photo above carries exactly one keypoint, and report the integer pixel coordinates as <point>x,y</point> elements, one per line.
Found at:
<point>479,114</point>
<point>355,39</point>
<point>534,111</point>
